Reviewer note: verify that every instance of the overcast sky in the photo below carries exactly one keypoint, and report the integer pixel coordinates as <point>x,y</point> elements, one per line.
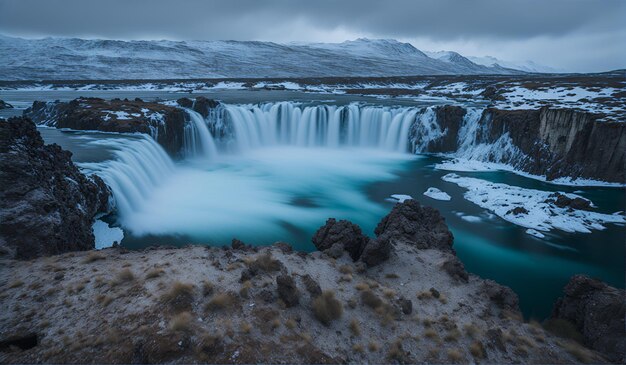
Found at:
<point>571,35</point>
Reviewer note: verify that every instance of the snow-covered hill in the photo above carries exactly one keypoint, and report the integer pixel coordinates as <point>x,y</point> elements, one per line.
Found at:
<point>527,66</point>
<point>74,59</point>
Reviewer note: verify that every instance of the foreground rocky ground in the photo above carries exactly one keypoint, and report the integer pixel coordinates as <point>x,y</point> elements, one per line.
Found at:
<point>400,298</point>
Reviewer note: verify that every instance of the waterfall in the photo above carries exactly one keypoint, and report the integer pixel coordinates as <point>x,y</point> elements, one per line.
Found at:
<point>139,165</point>
<point>198,141</point>
<point>288,123</point>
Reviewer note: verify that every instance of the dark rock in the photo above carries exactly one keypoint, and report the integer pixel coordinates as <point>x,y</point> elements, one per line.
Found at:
<point>22,341</point>
<point>376,251</point>
<point>284,247</point>
<point>287,290</point>
<point>423,227</point>
<point>47,205</point>
<point>518,211</point>
<point>435,293</point>
<point>311,286</point>
<point>247,274</point>
<point>185,102</point>
<point>203,105</point>
<point>237,244</point>
<point>164,123</point>
<point>346,235</point>
<point>502,296</point>
<point>597,310</point>
<point>563,201</point>
<point>450,120</point>
<point>495,339</point>
<point>455,268</point>
<point>266,296</point>
<point>406,305</point>
<point>5,105</point>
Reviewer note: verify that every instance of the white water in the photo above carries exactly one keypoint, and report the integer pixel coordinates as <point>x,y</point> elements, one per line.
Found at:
<point>291,124</point>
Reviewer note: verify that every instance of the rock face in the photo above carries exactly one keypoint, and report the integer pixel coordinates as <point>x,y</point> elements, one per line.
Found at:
<point>597,310</point>
<point>164,123</point>
<point>5,105</point>
<point>549,142</point>
<point>46,204</point>
<point>423,227</point>
<point>408,222</point>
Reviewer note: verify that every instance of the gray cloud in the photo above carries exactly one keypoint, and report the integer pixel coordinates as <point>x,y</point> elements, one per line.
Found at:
<point>486,26</point>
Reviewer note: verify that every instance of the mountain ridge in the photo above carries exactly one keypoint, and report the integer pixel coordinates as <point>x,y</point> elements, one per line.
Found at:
<point>76,58</point>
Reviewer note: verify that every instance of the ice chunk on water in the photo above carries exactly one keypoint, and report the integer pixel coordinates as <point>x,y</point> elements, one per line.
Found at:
<point>437,194</point>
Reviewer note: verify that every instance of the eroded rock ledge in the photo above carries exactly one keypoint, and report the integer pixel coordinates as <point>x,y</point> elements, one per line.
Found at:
<point>47,205</point>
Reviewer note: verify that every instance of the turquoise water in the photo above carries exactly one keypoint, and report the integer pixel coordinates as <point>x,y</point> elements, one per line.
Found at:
<point>286,193</point>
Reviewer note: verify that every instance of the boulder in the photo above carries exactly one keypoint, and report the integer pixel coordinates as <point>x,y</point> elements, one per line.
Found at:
<point>597,310</point>
<point>203,105</point>
<point>455,268</point>
<point>287,290</point>
<point>343,235</point>
<point>47,206</point>
<point>376,251</point>
<point>503,296</point>
<point>563,201</point>
<point>423,227</point>
<point>5,105</point>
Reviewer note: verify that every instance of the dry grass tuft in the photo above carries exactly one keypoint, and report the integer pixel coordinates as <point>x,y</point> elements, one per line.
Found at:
<point>104,300</point>
<point>326,308</point>
<point>392,276</point>
<point>471,330</point>
<point>265,262</point>
<point>373,346</point>
<point>579,352</point>
<point>179,297</point>
<point>477,350</point>
<point>245,289</point>
<point>181,322</point>
<point>221,301</point>
<point>370,299</point>
<point>355,327</point>
<point>389,293</point>
<point>92,257</point>
<point>362,286</point>
<point>245,327</point>
<point>16,284</point>
<point>358,348</point>
<point>455,355</point>
<point>345,269</point>
<point>123,276</point>
<point>423,295</point>
<point>207,288</point>
<point>291,323</point>
<point>397,353</point>
<point>431,333</point>
<point>154,273</point>
<point>453,335</point>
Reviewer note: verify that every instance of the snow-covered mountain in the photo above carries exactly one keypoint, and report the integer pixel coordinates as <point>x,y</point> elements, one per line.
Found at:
<point>526,66</point>
<point>73,59</point>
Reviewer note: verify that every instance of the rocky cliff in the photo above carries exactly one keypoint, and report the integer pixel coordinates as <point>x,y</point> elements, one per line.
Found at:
<point>597,311</point>
<point>550,142</point>
<point>163,122</point>
<point>47,205</point>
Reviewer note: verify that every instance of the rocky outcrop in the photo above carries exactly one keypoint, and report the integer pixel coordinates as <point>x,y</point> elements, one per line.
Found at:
<point>421,226</point>
<point>408,222</point>
<point>5,105</point>
<point>47,205</point>
<point>549,142</point>
<point>163,122</point>
<point>597,310</point>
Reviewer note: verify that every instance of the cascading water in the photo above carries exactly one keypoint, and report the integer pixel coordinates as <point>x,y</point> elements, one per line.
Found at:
<point>138,167</point>
<point>318,126</point>
<point>198,141</point>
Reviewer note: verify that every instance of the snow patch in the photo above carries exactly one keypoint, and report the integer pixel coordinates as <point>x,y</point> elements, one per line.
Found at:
<point>437,194</point>
<point>399,198</point>
<point>533,210</point>
<point>106,235</point>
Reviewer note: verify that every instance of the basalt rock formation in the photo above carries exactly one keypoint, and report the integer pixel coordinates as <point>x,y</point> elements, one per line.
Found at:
<point>47,205</point>
<point>163,122</point>
<point>408,222</point>
<point>550,142</point>
<point>597,310</point>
